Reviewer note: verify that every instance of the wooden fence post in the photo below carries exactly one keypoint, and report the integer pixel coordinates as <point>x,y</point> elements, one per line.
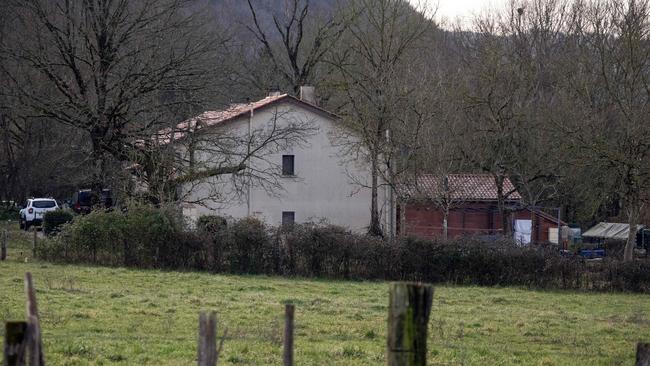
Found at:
<point>408,317</point>
<point>643,354</point>
<point>14,347</point>
<point>3,249</point>
<point>207,353</point>
<point>287,354</point>
<point>34,345</point>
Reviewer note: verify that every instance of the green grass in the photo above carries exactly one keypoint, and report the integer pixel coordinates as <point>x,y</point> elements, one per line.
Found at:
<point>19,246</point>
<point>102,316</point>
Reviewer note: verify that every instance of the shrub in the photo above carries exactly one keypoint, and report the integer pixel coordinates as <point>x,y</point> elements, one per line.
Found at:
<point>331,251</point>
<point>150,236</point>
<point>614,249</point>
<point>92,238</point>
<point>315,251</point>
<point>145,236</point>
<point>142,236</point>
<point>54,220</point>
<point>9,213</point>
<point>213,230</point>
<point>249,247</point>
<point>626,276</point>
<point>211,224</point>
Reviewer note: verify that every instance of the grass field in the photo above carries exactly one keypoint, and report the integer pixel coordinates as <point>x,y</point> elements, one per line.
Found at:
<point>103,316</point>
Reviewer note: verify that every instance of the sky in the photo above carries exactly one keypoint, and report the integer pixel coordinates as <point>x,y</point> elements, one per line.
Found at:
<point>463,9</point>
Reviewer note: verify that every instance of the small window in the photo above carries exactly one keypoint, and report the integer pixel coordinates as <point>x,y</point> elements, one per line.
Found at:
<point>287,165</point>
<point>288,218</point>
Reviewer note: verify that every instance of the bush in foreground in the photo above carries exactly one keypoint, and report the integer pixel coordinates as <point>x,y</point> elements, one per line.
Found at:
<point>142,236</point>
<point>9,213</point>
<point>149,237</point>
<point>54,220</point>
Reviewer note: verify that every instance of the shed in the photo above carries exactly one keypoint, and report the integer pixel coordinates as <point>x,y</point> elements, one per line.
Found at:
<point>474,210</point>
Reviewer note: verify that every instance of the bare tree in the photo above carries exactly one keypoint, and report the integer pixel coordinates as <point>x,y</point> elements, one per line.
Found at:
<point>613,86</point>
<point>511,78</point>
<point>297,44</point>
<point>489,131</point>
<point>114,69</point>
<point>374,71</point>
<point>433,151</point>
<point>37,156</point>
<point>221,161</point>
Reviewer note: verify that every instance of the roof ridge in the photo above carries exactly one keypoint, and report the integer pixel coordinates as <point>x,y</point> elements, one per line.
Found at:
<point>232,111</point>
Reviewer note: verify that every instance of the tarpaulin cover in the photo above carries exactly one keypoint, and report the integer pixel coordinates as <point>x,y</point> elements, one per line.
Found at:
<point>523,230</point>
<point>610,230</point>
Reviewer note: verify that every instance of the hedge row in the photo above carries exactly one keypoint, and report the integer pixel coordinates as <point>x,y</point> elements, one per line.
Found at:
<point>142,236</point>
<point>53,221</point>
<point>9,213</point>
<point>146,237</point>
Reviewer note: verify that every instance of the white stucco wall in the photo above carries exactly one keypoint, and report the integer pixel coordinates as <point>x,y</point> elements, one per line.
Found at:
<point>322,190</point>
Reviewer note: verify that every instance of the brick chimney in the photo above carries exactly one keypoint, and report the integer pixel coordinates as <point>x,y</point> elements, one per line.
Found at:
<point>308,94</point>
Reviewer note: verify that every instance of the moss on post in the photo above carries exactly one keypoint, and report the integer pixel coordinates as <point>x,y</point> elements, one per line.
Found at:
<point>408,318</point>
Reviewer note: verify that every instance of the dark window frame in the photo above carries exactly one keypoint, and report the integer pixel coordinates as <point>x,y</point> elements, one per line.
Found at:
<point>288,218</point>
<point>288,165</point>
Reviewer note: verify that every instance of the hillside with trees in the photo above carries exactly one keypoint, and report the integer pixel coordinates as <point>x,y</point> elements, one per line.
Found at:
<point>552,94</point>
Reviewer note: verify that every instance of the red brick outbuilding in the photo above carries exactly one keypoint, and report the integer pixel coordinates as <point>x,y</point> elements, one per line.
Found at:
<point>473,208</point>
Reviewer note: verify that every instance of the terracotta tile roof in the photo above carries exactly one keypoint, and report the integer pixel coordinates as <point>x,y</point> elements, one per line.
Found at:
<point>466,187</point>
<point>211,118</point>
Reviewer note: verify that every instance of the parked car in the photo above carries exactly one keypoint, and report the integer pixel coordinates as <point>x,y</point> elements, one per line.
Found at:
<point>85,200</point>
<point>35,208</point>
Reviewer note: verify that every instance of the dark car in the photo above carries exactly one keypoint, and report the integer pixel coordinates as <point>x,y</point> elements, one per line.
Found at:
<point>85,200</point>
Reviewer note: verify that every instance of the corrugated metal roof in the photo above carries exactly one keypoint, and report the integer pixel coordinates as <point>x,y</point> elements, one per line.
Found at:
<point>610,230</point>
<point>211,118</point>
<point>466,187</point>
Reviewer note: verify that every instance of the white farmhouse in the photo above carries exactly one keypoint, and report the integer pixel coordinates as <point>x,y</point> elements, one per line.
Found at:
<point>316,180</point>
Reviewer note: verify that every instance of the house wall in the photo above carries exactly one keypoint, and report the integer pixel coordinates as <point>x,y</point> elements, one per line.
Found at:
<point>326,187</point>
<point>476,218</point>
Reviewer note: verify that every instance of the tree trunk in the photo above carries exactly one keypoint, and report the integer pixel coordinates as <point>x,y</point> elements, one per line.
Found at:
<point>375,224</point>
<point>633,219</point>
<point>445,224</point>
<point>505,223</point>
<point>97,157</point>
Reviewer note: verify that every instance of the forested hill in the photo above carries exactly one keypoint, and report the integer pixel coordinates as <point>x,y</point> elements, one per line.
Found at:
<point>239,9</point>
<point>236,14</point>
<point>256,72</point>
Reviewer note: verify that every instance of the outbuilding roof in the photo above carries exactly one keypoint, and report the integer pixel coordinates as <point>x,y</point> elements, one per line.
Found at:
<point>233,111</point>
<point>610,230</point>
<point>466,187</point>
